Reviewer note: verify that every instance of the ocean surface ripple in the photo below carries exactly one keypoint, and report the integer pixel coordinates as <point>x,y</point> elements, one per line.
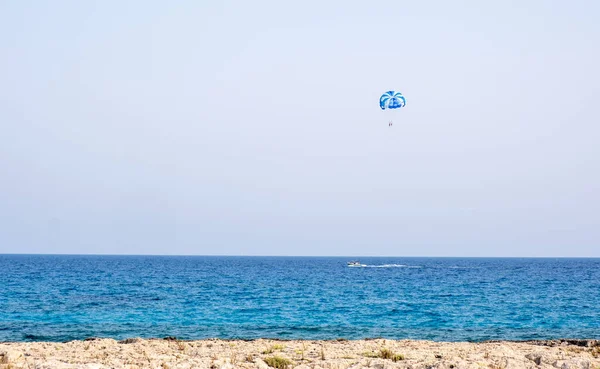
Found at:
<point>65,297</point>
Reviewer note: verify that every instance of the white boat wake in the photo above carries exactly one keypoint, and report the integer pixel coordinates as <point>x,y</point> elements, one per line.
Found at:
<point>384,266</point>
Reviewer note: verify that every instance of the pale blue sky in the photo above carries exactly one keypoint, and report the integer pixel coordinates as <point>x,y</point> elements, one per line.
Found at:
<point>253,128</point>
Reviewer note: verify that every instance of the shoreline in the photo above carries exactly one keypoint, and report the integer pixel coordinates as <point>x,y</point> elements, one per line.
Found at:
<point>171,353</point>
<point>542,342</point>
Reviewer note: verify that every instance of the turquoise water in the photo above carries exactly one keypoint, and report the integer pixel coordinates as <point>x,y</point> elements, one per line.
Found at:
<point>60,298</point>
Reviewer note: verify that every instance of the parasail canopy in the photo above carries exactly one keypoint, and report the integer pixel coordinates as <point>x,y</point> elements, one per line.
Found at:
<point>392,100</point>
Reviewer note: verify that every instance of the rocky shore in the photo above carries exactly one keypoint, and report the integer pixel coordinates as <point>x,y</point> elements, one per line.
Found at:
<point>265,354</point>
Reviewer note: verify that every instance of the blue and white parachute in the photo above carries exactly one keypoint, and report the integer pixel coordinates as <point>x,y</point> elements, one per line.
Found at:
<point>392,100</point>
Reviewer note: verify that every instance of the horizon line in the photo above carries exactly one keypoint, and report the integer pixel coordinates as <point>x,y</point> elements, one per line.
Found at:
<point>309,256</point>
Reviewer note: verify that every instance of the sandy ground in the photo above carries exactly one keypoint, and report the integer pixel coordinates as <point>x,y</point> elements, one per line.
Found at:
<point>379,353</point>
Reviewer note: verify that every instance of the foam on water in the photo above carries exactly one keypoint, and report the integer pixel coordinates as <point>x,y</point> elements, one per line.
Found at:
<point>390,266</point>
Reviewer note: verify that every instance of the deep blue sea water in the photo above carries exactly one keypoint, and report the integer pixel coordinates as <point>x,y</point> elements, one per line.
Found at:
<point>60,298</point>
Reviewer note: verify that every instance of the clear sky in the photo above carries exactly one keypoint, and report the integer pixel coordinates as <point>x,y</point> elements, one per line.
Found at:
<point>253,127</point>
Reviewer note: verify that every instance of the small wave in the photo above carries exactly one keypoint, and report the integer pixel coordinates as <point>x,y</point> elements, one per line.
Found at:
<point>390,266</point>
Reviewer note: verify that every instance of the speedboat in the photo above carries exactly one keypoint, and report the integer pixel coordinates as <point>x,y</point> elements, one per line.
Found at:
<point>354,263</point>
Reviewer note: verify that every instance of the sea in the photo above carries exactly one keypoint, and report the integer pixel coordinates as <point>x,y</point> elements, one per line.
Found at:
<point>68,297</point>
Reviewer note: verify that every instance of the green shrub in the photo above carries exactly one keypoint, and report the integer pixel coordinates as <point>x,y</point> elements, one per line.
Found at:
<point>278,362</point>
<point>388,354</point>
<point>274,348</point>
